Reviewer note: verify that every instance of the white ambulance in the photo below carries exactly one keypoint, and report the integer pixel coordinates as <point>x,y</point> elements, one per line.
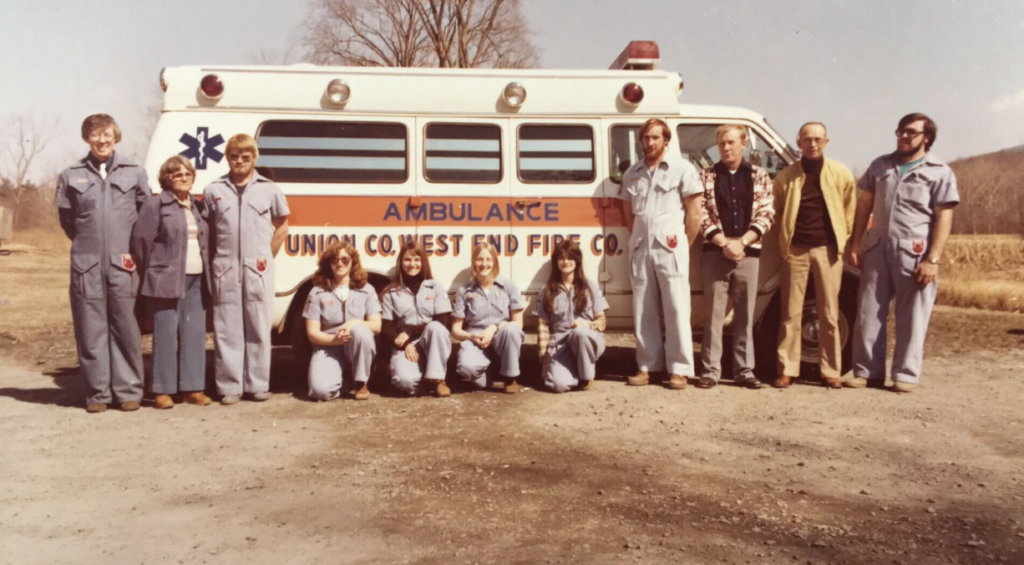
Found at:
<point>519,158</point>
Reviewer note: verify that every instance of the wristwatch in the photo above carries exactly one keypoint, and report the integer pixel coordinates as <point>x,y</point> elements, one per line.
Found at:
<point>934,260</point>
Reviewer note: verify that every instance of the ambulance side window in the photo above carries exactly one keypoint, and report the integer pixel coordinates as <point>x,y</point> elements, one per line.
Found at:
<point>556,153</point>
<point>463,153</point>
<point>697,143</point>
<point>625,149</point>
<point>334,152</point>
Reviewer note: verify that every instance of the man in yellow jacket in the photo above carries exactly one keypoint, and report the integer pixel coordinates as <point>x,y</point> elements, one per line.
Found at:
<point>815,201</point>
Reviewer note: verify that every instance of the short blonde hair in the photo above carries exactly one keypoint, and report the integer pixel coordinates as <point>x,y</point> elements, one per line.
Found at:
<point>723,129</point>
<point>172,165</point>
<point>496,270</point>
<point>100,121</point>
<point>241,143</point>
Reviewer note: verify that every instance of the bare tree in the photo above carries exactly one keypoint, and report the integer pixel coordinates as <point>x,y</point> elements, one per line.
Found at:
<point>23,146</point>
<point>419,33</point>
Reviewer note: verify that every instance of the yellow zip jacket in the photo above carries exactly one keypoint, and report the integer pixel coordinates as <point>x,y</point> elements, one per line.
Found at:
<point>839,190</point>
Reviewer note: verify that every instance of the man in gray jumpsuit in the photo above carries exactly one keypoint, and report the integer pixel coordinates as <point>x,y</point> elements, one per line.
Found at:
<point>248,225</point>
<point>910,194</point>
<point>661,202</point>
<point>98,200</point>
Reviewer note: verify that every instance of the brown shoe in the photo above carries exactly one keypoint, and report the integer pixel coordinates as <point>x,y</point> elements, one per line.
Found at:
<point>513,387</point>
<point>832,382</point>
<point>783,382</point>
<point>362,393</point>
<point>902,387</point>
<point>162,402</point>
<point>130,406</point>
<point>442,390</point>
<point>197,398</point>
<point>856,382</point>
<point>96,408</point>
<point>587,385</point>
<point>639,379</point>
<point>677,382</point>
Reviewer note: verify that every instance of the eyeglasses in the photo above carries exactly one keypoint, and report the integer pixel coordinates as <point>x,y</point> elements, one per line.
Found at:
<point>245,158</point>
<point>343,261</point>
<point>911,133</point>
<point>184,175</point>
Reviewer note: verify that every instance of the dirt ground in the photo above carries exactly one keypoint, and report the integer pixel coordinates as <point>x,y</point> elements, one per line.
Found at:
<point>614,475</point>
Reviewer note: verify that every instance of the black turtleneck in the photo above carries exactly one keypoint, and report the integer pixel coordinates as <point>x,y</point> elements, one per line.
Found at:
<point>813,226</point>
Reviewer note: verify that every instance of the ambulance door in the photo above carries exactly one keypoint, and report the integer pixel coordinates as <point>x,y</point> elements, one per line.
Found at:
<point>624,149</point>
<point>556,194</point>
<point>346,179</point>
<point>462,195</point>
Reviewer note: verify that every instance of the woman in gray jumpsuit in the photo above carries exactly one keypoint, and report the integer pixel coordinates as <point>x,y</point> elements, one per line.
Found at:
<point>417,315</point>
<point>570,322</point>
<point>342,318</point>
<point>488,318</point>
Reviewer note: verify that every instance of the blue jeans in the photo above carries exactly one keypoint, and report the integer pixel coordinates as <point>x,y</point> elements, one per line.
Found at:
<point>179,340</point>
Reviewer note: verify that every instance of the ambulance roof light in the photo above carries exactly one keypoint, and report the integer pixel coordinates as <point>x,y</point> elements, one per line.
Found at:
<point>163,79</point>
<point>338,92</point>
<point>632,94</point>
<point>638,56</point>
<point>514,94</point>
<point>211,87</point>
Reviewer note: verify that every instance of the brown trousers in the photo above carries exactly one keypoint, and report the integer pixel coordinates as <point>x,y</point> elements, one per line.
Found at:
<point>826,267</point>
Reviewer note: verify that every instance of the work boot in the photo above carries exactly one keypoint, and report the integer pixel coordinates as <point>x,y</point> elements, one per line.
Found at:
<point>677,382</point>
<point>362,393</point>
<point>856,382</point>
<point>229,399</point>
<point>442,390</point>
<point>639,379</point>
<point>586,385</point>
<point>513,387</point>
<point>163,402</point>
<point>706,382</point>
<point>197,398</point>
<point>96,408</point>
<point>783,382</point>
<point>130,406</point>
<point>902,387</point>
<point>750,382</point>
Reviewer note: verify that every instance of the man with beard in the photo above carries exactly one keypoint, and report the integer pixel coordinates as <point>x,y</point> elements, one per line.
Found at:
<point>910,196</point>
<point>248,225</point>
<point>661,204</point>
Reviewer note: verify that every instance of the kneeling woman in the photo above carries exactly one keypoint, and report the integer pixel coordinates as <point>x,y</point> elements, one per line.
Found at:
<point>417,315</point>
<point>570,318</point>
<point>342,317</point>
<point>488,318</point>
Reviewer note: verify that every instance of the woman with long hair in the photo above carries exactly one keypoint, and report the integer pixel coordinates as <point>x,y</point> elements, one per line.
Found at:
<point>342,317</point>
<point>570,322</point>
<point>417,315</point>
<point>488,318</point>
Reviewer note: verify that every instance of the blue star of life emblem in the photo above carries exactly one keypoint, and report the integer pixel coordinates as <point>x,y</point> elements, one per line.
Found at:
<point>202,147</point>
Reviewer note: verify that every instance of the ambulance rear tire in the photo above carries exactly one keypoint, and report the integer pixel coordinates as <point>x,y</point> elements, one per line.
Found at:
<point>302,350</point>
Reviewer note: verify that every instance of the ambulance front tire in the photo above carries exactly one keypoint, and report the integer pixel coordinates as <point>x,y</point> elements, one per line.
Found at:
<point>302,349</point>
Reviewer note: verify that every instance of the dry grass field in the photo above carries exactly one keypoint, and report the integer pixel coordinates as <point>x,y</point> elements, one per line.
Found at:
<point>983,271</point>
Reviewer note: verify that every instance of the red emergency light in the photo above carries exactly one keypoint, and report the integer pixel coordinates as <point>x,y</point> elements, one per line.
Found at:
<point>638,56</point>
<point>211,87</point>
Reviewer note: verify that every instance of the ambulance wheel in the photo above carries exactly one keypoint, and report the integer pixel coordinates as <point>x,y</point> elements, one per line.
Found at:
<point>302,350</point>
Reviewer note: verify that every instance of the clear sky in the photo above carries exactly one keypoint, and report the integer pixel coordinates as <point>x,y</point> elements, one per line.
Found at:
<point>858,66</point>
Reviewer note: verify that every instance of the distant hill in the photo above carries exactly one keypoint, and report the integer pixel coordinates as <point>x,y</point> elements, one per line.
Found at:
<point>991,193</point>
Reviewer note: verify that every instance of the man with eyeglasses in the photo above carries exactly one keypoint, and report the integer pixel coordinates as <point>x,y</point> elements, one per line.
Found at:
<point>248,225</point>
<point>815,202</point>
<point>98,201</point>
<point>909,196</point>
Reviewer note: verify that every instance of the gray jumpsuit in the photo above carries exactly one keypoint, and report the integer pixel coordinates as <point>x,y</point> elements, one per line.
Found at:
<point>97,214</point>
<point>326,367</point>
<point>434,345</point>
<point>243,280</point>
<point>659,260</point>
<point>480,310</point>
<point>573,352</point>
<point>903,218</point>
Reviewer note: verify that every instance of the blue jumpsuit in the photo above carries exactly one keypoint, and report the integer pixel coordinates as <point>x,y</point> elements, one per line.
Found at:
<point>572,352</point>
<point>333,308</point>
<point>97,213</point>
<point>434,345</point>
<point>480,310</point>
<point>900,238</point>
<point>242,262</point>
